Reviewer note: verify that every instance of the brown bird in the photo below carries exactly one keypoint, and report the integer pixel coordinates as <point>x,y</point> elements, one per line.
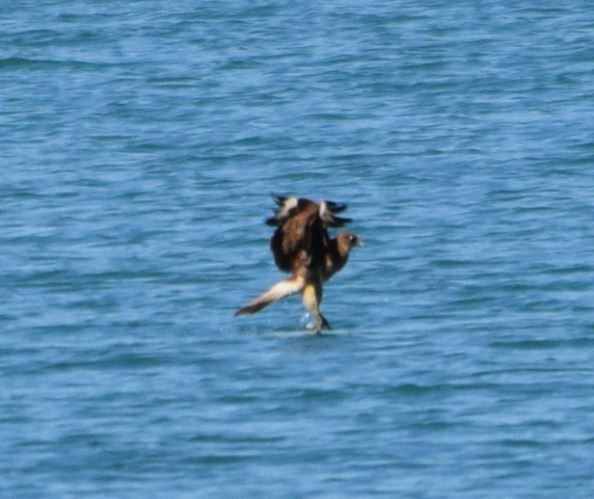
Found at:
<point>301,245</point>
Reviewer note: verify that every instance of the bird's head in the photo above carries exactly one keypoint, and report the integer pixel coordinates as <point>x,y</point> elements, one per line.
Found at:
<point>348,240</point>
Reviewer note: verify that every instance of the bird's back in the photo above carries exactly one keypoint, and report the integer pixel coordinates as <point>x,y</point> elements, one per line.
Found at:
<point>301,236</point>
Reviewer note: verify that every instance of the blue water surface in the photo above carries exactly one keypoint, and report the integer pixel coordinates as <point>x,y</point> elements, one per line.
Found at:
<point>140,142</point>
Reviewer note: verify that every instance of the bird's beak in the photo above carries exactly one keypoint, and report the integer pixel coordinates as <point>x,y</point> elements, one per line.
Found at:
<point>359,243</point>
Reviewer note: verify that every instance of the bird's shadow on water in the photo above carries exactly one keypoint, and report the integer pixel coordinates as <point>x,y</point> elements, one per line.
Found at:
<point>308,335</point>
<point>306,342</point>
<point>294,338</point>
<point>305,331</point>
<point>293,334</point>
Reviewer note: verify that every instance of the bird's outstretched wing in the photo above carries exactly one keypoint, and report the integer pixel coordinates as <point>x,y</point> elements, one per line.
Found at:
<point>301,235</point>
<point>279,290</point>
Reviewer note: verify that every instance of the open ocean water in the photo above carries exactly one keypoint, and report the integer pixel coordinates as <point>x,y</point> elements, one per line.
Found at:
<point>139,144</point>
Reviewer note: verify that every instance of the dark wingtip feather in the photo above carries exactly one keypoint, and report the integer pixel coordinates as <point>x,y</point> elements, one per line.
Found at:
<point>336,207</point>
<point>279,200</point>
<point>242,311</point>
<point>252,308</point>
<point>341,221</point>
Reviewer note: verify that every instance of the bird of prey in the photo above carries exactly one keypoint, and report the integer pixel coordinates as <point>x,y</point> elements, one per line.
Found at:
<point>302,246</point>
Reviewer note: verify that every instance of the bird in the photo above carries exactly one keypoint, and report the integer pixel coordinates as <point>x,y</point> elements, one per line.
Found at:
<point>301,245</point>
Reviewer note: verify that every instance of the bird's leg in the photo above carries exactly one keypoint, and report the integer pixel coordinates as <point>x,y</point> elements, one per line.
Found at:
<point>312,297</point>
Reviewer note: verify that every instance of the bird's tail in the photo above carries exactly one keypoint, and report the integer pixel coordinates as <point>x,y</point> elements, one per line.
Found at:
<point>275,293</point>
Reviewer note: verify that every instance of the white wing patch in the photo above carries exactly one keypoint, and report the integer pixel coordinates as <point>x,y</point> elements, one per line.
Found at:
<point>288,205</point>
<point>324,213</point>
